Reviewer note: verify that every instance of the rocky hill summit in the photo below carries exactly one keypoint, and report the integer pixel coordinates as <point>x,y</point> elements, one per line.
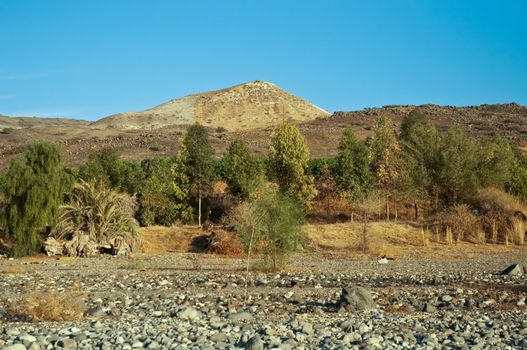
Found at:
<point>246,106</point>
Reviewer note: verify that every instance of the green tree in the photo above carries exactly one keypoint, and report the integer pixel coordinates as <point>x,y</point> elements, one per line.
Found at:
<point>288,159</point>
<point>420,143</point>
<point>34,190</point>
<point>104,166</point>
<point>456,176</point>
<point>319,167</point>
<point>242,170</point>
<point>517,184</point>
<point>158,203</point>
<point>352,171</point>
<point>269,224</point>
<point>385,157</point>
<point>195,160</point>
<point>496,160</point>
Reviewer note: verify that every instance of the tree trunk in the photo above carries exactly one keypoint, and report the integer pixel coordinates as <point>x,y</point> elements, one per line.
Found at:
<point>387,209</point>
<point>416,211</point>
<point>199,207</point>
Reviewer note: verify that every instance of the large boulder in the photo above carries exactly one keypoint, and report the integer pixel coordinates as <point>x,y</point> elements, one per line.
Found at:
<point>355,299</point>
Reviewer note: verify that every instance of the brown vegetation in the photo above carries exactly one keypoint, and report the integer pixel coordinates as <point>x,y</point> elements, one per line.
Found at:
<point>49,305</point>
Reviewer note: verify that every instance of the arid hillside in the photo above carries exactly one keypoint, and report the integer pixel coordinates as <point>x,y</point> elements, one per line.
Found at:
<point>79,138</point>
<point>246,106</point>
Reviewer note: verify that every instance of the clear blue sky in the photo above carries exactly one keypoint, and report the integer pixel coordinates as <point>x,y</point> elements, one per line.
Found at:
<point>91,58</point>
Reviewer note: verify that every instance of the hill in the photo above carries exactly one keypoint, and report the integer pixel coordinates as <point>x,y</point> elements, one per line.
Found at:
<point>246,106</point>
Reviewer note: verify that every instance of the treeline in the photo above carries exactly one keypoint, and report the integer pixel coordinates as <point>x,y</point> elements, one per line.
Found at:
<point>415,163</point>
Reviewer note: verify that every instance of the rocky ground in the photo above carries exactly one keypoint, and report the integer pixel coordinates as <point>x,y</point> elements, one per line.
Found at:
<point>189,301</point>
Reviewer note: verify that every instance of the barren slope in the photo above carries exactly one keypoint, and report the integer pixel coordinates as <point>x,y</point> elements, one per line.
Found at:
<point>241,107</point>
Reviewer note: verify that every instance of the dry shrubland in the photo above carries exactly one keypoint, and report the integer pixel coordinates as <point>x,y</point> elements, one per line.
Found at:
<point>50,305</point>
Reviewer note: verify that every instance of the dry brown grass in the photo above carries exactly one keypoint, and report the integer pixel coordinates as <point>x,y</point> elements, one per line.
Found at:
<point>50,305</point>
<point>380,238</point>
<point>160,240</point>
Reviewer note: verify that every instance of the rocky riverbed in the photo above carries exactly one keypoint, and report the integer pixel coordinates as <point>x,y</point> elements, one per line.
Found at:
<point>189,301</point>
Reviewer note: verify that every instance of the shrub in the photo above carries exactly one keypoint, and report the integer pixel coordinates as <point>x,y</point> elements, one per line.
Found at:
<point>318,166</point>
<point>269,225</point>
<point>49,306</point>
<point>499,211</point>
<point>462,223</point>
<point>99,212</point>
<point>7,131</point>
<point>33,192</point>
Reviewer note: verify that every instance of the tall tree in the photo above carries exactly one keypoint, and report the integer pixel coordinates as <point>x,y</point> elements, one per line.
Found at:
<point>385,157</point>
<point>242,170</point>
<point>352,170</point>
<point>288,159</point>
<point>420,143</point>
<point>196,162</point>
<point>33,192</point>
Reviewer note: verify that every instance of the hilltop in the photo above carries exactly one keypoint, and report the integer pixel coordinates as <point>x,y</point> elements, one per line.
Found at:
<point>248,111</point>
<point>246,106</point>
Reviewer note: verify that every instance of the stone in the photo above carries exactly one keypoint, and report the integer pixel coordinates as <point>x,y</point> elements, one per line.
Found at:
<point>15,347</point>
<point>430,308</point>
<point>240,316</point>
<point>355,299</point>
<point>67,343</point>
<point>255,343</point>
<point>514,270</point>
<point>188,314</point>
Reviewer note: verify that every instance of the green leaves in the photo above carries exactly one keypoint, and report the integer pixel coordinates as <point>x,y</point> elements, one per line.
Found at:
<point>269,224</point>
<point>352,172</point>
<point>33,191</point>
<point>243,172</point>
<point>289,162</point>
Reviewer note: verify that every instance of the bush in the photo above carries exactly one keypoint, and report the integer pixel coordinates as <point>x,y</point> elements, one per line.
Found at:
<point>7,131</point>
<point>157,201</point>
<point>500,212</point>
<point>269,225</point>
<point>33,191</point>
<point>242,170</point>
<point>462,223</point>
<point>99,212</point>
<point>316,166</point>
<point>49,306</point>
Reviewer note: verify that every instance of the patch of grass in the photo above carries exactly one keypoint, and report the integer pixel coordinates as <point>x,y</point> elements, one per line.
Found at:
<point>50,305</point>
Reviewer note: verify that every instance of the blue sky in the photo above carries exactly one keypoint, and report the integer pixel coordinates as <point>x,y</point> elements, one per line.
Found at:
<point>91,58</point>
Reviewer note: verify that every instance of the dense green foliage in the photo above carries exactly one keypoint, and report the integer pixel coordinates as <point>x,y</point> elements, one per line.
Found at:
<point>517,184</point>
<point>158,204</point>
<point>269,224</point>
<point>317,167</point>
<point>352,170</point>
<point>193,169</point>
<point>33,191</point>
<point>288,160</point>
<point>107,168</point>
<point>242,170</point>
